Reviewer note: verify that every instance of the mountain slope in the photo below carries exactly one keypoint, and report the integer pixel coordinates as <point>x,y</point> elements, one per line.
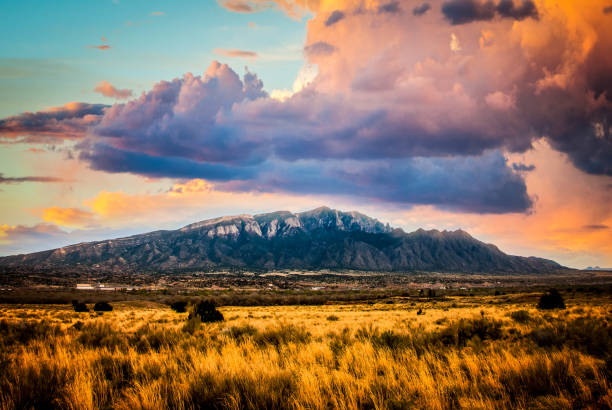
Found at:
<point>319,239</point>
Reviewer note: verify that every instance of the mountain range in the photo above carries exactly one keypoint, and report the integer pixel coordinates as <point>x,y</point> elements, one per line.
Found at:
<point>322,238</point>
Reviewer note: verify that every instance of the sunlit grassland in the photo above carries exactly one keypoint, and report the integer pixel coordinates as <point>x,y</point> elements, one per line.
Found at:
<point>460,352</point>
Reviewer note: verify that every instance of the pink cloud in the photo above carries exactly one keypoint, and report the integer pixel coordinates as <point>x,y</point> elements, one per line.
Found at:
<point>108,90</point>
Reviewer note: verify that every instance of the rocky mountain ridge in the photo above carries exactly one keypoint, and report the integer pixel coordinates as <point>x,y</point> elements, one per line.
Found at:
<point>323,238</point>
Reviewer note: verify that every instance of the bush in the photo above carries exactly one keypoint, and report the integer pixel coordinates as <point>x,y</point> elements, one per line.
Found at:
<point>282,334</point>
<point>459,333</point>
<point>103,307</point>
<point>101,334</point>
<point>206,311</point>
<point>79,306</point>
<point>22,332</point>
<point>179,306</point>
<point>551,300</point>
<point>332,318</point>
<point>520,316</point>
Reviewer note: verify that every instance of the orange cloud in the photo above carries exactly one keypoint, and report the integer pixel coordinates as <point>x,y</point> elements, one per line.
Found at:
<point>70,217</point>
<point>102,47</point>
<point>294,8</point>
<point>235,53</point>
<point>106,89</point>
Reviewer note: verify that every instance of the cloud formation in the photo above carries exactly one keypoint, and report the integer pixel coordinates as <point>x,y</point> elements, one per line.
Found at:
<point>17,180</point>
<point>435,112</point>
<point>235,53</point>
<point>69,121</point>
<point>422,9</point>
<point>468,11</point>
<point>69,217</point>
<point>108,90</point>
<point>334,17</point>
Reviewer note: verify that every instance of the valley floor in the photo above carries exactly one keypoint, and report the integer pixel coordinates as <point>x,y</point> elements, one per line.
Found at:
<point>433,353</point>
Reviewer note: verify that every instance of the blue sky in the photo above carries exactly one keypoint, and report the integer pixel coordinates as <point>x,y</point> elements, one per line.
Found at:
<point>47,61</point>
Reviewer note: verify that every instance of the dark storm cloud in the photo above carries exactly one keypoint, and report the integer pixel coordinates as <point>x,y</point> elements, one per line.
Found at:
<point>109,159</point>
<point>420,10</point>
<point>334,17</point>
<point>607,10</point>
<point>467,11</point>
<point>482,184</point>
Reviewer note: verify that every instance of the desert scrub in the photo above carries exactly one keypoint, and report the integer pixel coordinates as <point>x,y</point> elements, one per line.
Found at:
<point>292,357</point>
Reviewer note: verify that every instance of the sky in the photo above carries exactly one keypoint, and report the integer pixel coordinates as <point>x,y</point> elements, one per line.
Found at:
<point>123,116</point>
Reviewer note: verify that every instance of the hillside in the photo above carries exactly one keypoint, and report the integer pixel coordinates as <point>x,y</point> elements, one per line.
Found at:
<point>319,239</point>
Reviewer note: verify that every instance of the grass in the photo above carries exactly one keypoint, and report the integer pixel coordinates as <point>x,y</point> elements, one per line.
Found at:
<point>466,352</point>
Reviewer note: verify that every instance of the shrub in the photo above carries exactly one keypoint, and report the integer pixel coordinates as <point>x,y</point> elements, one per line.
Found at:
<point>23,332</point>
<point>103,307</point>
<point>101,334</point>
<point>79,306</point>
<point>459,333</point>
<point>149,337</point>
<point>332,318</point>
<point>240,333</point>
<point>282,334</point>
<point>179,306</point>
<point>520,316</point>
<point>551,300</point>
<point>206,311</point>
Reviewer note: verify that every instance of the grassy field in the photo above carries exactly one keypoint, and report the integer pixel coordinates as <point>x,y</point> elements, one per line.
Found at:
<point>437,353</point>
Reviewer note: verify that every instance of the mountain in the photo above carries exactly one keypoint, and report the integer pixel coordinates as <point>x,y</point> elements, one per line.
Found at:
<point>323,238</point>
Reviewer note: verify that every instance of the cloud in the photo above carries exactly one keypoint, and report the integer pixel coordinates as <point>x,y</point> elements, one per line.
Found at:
<point>454,44</point>
<point>157,13</point>
<point>69,121</point>
<point>24,234</point>
<point>500,101</point>
<point>483,184</point>
<point>391,7</point>
<point>106,89</point>
<point>334,17</point>
<point>102,47</point>
<point>421,10</point>
<point>522,167</point>
<point>318,49</point>
<point>235,53</point>
<point>69,217</point>
<point>467,11</point>
<point>17,180</point>
<point>595,227</point>
<point>372,103</point>
<point>294,8</point>
<point>607,10</point>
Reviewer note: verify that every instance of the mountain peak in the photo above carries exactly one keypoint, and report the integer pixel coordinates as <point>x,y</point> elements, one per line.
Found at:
<point>322,238</point>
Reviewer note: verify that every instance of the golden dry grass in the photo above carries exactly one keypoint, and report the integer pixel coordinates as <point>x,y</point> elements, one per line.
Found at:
<point>463,352</point>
